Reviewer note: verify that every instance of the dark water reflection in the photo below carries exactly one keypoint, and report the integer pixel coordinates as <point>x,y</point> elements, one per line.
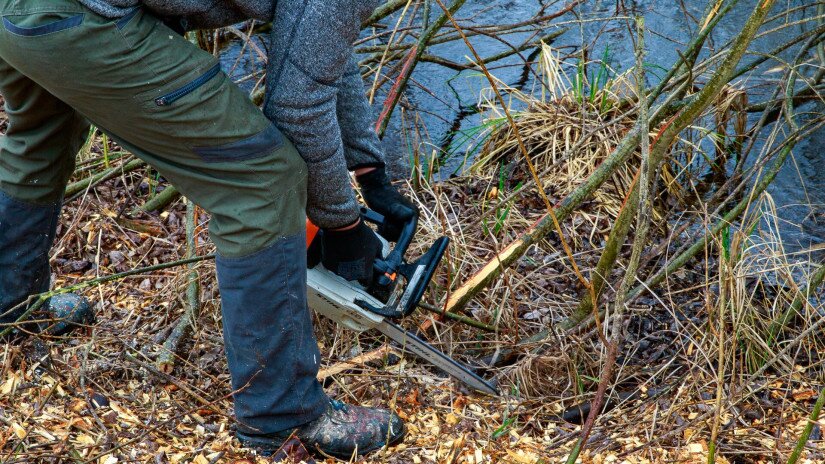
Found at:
<point>799,190</point>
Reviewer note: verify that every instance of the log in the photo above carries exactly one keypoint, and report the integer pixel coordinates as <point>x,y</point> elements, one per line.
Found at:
<point>359,360</point>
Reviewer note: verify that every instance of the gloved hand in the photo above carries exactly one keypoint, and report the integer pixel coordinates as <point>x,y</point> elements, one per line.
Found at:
<point>383,198</point>
<point>350,253</point>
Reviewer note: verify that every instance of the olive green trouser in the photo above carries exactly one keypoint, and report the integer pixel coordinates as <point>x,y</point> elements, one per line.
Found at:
<point>63,66</point>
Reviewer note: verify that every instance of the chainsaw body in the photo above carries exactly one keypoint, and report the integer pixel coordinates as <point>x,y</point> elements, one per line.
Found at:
<point>394,293</point>
<point>397,285</point>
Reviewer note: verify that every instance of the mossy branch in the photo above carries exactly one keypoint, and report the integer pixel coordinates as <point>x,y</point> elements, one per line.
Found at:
<point>161,200</point>
<point>383,11</point>
<point>185,326</point>
<point>646,171</point>
<point>76,188</point>
<point>806,433</point>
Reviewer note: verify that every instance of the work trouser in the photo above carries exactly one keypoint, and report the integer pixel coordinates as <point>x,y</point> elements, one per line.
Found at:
<point>62,67</point>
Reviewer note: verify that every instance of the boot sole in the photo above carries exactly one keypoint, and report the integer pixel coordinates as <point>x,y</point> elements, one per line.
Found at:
<point>270,447</point>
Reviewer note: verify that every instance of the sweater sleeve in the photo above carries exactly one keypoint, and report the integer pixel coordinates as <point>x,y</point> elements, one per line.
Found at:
<point>210,14</point>
<point>361,145</point>
<point>311,45</point>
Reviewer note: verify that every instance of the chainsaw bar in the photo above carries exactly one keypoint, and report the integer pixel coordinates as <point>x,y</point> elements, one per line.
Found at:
<point>336,299</point>
<point>411,343</point>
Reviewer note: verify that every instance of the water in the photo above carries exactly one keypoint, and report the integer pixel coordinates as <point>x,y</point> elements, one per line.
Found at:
<point>799,190</point>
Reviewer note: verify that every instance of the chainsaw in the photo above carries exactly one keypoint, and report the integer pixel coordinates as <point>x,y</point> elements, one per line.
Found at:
<point>394,293</point>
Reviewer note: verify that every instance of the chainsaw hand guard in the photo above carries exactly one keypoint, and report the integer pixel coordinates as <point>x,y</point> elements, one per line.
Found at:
<point>417,276</point>
<point>388,271</point>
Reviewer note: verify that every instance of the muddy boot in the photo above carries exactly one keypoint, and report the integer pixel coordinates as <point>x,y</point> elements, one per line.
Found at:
<point>342,431</point>
<point>26,235</point>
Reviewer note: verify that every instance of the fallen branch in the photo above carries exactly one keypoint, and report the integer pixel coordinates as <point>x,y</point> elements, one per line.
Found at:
<point>37,301</point>
<point>185,326</point>
<point>160,201</point>
<point>799,301</point>
<point>74,189</point>
<point>359,360</point>
<point>457,317</point>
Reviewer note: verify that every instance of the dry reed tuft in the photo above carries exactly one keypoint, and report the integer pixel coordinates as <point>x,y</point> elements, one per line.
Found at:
<point>567,130</point>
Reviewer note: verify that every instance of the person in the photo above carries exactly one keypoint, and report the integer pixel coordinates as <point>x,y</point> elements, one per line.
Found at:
<point>123,66</point>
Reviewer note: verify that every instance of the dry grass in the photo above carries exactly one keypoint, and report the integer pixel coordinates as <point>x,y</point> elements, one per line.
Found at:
<point>691,349</point>
<point>568,133</point>
<point>698,353</point>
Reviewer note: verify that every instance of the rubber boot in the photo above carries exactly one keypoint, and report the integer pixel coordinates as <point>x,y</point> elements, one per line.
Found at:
<point>26,235</point>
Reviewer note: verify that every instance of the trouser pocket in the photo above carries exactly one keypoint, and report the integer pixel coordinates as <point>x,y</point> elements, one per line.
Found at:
<point>42,24</point>
<point>206,136</point>
<point>186,89</point>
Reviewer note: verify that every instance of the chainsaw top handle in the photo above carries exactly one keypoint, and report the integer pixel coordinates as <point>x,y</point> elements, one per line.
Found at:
<point>396,256</point>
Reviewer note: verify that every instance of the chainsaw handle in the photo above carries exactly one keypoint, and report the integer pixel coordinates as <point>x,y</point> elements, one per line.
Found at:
<point>404,240</point>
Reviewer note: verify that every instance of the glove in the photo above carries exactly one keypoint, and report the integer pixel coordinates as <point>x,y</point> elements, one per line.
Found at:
<point>351,253</point>
<point>383,198</point>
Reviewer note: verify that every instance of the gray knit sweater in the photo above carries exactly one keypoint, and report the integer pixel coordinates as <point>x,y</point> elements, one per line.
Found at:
<point>314,90</point>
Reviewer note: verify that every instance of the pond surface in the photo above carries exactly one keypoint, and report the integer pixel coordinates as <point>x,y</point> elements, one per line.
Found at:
<point>446,99</point>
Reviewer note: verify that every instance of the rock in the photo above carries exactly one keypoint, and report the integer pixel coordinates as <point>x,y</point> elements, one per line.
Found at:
<point>69,312</point>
